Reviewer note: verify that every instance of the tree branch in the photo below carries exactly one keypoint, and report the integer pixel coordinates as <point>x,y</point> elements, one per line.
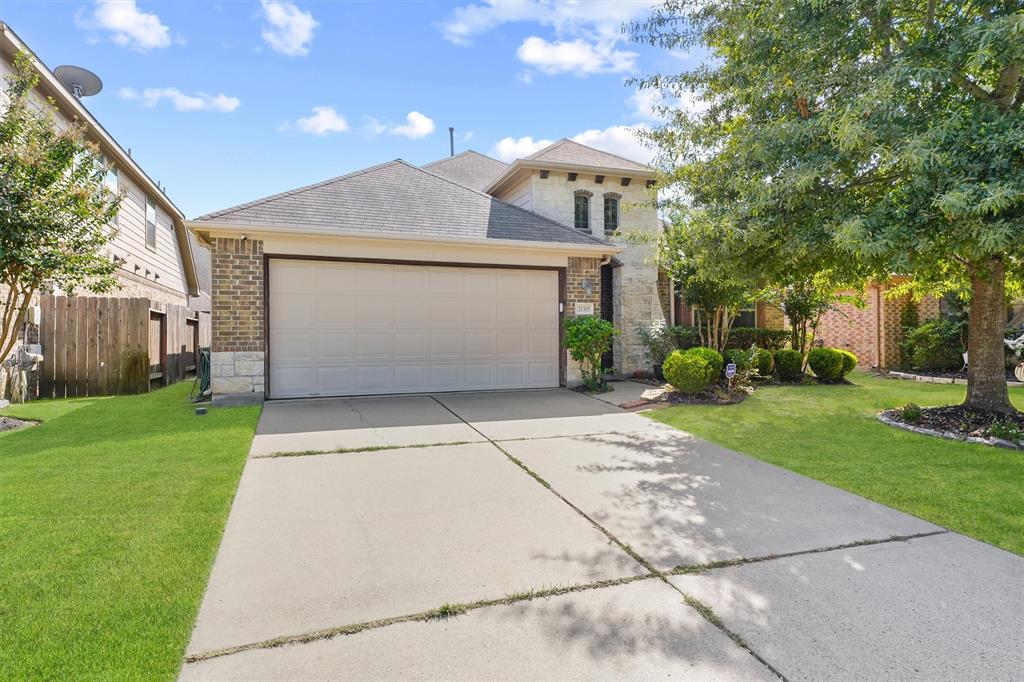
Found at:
<point>1008,82</point>
<point>972,88</point>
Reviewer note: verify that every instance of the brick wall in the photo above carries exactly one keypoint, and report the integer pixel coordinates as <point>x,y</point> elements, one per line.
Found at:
<point>580,270</point>
<point>665,294</point>
<point>237,318</point>
<point>874,333</point>
<point>237,294</point>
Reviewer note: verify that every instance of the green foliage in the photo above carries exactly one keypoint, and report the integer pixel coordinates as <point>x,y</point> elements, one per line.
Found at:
<point>851,137</point>
<point>849,361</point>
<point>587,339</point>
<point>683,337</point>
<point>909,316</point>
<point>712,356</point>
<point>770,339</point>
<point>910,413</point>
<point>56,214</point>
<point>826,363</point>
<point>763,362</point>
<point>789,364</point>
<point>657,341</point>
<point>688,372</point>
<point>1007,430</point>
<point>936,344</point>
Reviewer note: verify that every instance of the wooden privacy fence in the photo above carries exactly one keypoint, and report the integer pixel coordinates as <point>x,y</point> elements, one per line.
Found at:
<point>105,346</point>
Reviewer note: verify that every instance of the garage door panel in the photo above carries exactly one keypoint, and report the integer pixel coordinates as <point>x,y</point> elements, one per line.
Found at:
<point>374,279</point>
<point>333,345</point>
<point>364,328</point>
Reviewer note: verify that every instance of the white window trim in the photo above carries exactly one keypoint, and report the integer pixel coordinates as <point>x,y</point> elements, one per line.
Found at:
<point>156,223</point>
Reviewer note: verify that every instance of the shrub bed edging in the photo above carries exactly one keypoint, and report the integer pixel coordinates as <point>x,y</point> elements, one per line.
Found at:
<point>885,417</point>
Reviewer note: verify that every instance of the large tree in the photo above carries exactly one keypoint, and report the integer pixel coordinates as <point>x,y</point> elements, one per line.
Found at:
<point>56,214</point>
<point>886,133</point>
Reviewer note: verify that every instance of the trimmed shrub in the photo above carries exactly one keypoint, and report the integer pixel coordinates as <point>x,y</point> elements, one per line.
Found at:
<point>936,344</point>
<point>688,372</point>
<point>738,357</point>
<point>763,362</point>
<point>849,361</point>
<point>713,357</point>
<point>789,364</point>
<point>745,337</point>
<point>588,338</point>
<point>683,338</point>
<point>826,363</point>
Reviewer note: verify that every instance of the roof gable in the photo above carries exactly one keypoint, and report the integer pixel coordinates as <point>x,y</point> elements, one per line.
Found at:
<point>399,199</point>
<point>470,168</point>
<point>573,153</point>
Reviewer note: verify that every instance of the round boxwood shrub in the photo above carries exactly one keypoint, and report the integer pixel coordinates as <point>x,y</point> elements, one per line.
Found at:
<point>764,361</point>
<point>849,361</point>
<point>936,344</point>
<point>789,364</point>
<point>713,357</point>
<point>688,372</point>
<point>826,363</point>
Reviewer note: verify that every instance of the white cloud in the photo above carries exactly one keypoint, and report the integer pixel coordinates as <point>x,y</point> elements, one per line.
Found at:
<point>620,140</point>
<point>323,121</point>
<point>645,104</point>
<point>602,18</point>
<point>130,27</point>
<point>575,56</point>
<point>375,127</point>
<point>416,126</point>
<point>199,101</point>
<point>509,149</point>
<point>525,77</point>
<point>289,30</point>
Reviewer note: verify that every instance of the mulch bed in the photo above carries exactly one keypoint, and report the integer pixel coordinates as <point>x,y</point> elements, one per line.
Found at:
<point>960,422</point>
<point>10,423</point>
<point>716,395</point>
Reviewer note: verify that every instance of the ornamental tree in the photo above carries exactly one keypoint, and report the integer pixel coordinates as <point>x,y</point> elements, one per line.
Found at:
<point>872,135</point>
<point>56,213</point>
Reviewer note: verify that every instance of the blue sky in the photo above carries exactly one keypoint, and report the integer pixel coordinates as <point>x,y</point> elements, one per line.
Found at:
<point>227,102</point>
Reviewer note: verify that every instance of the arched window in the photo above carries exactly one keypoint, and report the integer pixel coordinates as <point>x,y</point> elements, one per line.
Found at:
<point>582,210</point>
<point>611,212</point>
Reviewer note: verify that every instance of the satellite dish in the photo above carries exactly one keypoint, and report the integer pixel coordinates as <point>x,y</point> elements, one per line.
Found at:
<point>80,82</point>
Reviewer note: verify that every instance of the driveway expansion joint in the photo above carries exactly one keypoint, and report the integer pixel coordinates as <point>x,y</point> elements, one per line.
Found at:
<point>705,611</point>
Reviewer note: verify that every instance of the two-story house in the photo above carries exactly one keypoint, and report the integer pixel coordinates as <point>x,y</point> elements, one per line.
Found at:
<point>152,248</point>
<point>451,276</point>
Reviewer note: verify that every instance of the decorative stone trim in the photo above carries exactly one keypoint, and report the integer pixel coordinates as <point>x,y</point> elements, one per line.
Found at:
<point>237,372</point>
<point>886,418</point>
<point>583,193</point>
<point>612,195</point>
<point>909,376</point>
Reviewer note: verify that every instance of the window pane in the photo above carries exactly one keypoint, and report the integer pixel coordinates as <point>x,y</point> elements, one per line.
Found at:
<point>150,223</point>
<point>611,214</point>
<point>582,212</point>
<point>744,318</point>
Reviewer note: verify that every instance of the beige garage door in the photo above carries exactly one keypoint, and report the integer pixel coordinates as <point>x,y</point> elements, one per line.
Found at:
<point>369,328</point>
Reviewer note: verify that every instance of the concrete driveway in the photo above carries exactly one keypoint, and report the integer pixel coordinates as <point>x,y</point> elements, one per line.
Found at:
<point>549,535</point>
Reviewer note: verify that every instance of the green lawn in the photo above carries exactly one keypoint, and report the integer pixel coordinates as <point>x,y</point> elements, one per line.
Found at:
<point>830,433</point>
<point>111,511</point>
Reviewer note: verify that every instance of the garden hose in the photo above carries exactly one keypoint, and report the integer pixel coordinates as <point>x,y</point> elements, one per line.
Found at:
<point>201,386</point>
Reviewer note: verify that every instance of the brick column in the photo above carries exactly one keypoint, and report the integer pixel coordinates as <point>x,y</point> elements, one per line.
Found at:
<point>237,351</point>
<point>579,272</point>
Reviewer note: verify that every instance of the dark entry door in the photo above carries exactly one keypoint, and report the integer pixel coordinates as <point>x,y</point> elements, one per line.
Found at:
<point>608,359</point>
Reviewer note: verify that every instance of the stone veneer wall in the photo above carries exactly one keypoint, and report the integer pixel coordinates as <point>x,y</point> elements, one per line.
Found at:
<point>237,349</point>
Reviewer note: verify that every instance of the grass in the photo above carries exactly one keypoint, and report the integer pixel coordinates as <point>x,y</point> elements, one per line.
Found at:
<point>830,433</point>
<point>111,510</point>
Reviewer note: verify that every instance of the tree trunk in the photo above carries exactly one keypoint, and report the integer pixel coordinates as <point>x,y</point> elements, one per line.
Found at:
<point>986,367</point>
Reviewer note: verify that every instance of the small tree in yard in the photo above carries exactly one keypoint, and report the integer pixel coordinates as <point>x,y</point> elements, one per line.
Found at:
<point>55,211</point>
<point>886,134</point>
<point>587,339</point>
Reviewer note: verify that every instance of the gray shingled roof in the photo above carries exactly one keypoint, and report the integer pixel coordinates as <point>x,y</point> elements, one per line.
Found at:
<point>470,168</point>
<point>401,199</point>
<point>569,152</point>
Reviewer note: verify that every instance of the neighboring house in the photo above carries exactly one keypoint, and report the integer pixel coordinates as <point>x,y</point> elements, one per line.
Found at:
<point>152,247</point>
<point>453,276</point>
<point>874,331</point>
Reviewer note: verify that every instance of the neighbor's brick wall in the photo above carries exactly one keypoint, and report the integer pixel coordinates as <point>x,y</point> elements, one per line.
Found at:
<point>770,316</point>
<point>237,294</point>
<point>873,333</point>
<point>665,295</point>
